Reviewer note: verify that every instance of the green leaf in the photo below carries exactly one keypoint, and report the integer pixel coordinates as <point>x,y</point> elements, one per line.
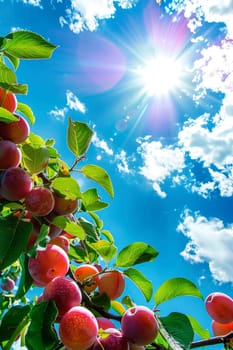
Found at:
<point>35,158</point>
<point>92,234</point>
<point>99,223</point>
<point>53,153</point>
<point>136,253</point>
<point>5,302</point>
<point>141,282</point>
<point>69,226</point>
<point>24,44</point>
<point>162,344</point>
<point>128,302</point>
<point>177,330</point>
<point>176,287</point>
<point>13,239</point>
<point>36,140</point>
<point>13,205</point>
<point>15,88</point>
<point>50,142</point>
<point>1,42</point>
<point>14,60</point>
<point>105,249</point>
<point>102,300</point>
<point>6,116</point>
<point>41,334</point>
<point>42,238</point>
<point>11,321</point>
<point>25,278</point>
<point>118,307</point>
<point>198,329</point>
<point>78,254</point>
<point>99,175</point>
<point>26,111</point>
<point>108,235</point>
<point>66,187</point>
<point>78,137</point>
<point>91,200</point>
<point>6,74</point>
<point>92,255</point>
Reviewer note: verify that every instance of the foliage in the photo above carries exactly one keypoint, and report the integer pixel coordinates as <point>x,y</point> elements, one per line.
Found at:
<point>20,314</point>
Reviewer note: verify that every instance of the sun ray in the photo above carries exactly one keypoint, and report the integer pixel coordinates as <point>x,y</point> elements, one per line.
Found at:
<point>159,76</point>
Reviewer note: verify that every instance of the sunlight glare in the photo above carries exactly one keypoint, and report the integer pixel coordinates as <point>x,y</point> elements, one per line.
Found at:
<point>159,76</point>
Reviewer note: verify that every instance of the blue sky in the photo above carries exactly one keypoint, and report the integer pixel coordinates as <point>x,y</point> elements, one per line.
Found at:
<point>166,142</point>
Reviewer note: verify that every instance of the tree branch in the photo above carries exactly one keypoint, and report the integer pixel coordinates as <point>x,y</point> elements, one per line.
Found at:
<point>88,302</point>
<point>212,341</point>
<point>196,344</point>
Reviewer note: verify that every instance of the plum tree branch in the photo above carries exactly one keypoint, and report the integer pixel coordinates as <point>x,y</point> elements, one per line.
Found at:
<point>196,344</point>
<point>203,342</point>
<point>212,341</point>
<point>88,302</point>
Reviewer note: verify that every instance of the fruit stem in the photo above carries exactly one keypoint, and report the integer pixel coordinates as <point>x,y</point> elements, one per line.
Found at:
<point>88,302</point>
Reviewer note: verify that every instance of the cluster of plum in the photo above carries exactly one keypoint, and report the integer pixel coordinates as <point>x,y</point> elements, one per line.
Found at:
<point>79,327</point>
<point>220,308</point>
<point>11,135</point>
<point>16,183</point>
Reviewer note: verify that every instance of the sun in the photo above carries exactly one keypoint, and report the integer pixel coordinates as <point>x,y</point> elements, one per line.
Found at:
<point>159,76</point>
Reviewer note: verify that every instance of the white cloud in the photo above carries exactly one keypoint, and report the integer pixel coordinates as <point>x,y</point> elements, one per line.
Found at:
<point>197,11</point>
<point>33,2</point>
<point>74,103</point>
<point>211,242</point>
<point>218,11</point>
<point>85,15</point>
<point>208,146</point>
<point>102,144</point>
<point>212,147</point>
<point>207,141</point>
<point>224,182</point>
<point>36,3</point>
<point>121,159</point>
<point>204,189</point>
<point>214,70</point>
<point>122,162</point>
<point>126,4</point>
<point>159,162</point>
<point>59,113</point>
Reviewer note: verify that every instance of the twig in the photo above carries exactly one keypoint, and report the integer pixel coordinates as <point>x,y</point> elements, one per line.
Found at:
<point>77,160</point>
<point>212,341</point>
<point>88,302</point>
